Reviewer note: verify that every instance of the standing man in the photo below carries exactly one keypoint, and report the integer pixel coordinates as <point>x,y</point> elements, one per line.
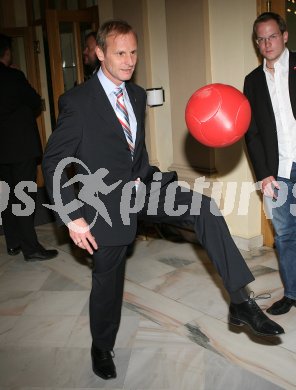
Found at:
<point>20,148</point>
<point>102,123</point>
<point>271,141</point>
<point>90,59</point>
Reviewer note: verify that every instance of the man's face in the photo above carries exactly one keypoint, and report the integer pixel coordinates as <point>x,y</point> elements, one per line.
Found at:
<point>271,42</point>
<point>120,57</point>
<point>6,59</point>
<point>89,52</point>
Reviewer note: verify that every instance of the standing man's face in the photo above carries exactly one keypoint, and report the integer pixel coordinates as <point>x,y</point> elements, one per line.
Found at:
<point>6,59</point>
<point>271,42</point>
<point>89,52</point>
<point>120,57</point>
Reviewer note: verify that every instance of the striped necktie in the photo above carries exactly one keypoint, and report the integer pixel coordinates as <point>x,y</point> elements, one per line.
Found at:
<point>122,116</point>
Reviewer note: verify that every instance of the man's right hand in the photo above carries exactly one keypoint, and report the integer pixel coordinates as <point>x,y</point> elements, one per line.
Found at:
<point>85,240</point>
<point>268,185</point>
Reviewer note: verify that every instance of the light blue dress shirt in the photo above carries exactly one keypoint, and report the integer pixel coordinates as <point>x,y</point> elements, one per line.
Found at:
<point>109,88</point>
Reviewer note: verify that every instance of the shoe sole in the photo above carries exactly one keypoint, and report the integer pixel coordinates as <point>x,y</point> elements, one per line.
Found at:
<point>40,259</point>
<point>103,376</point>
<point>282,312</point>
<point>239,322</point>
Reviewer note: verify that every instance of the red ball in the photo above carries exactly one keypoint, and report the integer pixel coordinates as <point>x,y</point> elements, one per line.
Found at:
<point>218,115</point>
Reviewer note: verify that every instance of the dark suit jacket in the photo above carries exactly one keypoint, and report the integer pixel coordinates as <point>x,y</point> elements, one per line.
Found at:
<point>261,137</point>
<point>88,129</point>
<point>19,105</point>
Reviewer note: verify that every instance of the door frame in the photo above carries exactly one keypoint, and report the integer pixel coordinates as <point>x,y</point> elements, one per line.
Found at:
<point>53,18</point>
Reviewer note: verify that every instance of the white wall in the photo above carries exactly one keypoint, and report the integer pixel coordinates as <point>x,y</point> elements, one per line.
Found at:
<point>160,121</point>
<point>232,57</point>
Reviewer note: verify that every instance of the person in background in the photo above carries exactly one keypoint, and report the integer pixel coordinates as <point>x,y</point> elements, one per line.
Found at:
<point>271,142</point>
<point>20,150</point>
<point>102,123</point>
<point>90,59</point>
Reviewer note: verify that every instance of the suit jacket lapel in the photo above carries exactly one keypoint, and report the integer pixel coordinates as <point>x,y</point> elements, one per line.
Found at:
<point>265,96</point>
<point>137,111</point>
<point>292,81</point>
<point>104,109</point>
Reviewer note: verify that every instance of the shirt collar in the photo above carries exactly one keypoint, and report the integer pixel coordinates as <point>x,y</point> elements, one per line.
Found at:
<point>108,86</point>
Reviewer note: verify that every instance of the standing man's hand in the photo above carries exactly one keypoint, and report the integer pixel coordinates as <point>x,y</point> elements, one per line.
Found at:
<point>268,185</point>
<point>85,240</point>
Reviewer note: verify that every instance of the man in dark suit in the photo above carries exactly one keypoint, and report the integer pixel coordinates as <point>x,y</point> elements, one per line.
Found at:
<point>90,59</point>
<point>271,142</point>
<point>102,124</point>
<point>20,148</point>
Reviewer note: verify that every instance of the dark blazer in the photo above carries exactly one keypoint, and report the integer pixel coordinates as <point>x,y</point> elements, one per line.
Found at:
<point>19,105</point>
<point>88,129</point>
<point>261,137</point>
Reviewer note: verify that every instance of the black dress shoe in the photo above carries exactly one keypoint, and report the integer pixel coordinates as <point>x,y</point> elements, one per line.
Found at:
<point>249,313</point>
<point>42,254</point>
<point>14,251</point>
<point>282,306</point>
<point>102,363</point>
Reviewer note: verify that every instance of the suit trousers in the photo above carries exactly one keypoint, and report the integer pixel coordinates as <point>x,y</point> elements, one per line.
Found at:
<point>109,262</point>
<point>19,230</point>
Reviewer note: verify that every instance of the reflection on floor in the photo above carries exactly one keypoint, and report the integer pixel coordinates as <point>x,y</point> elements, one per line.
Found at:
<point>174,332</point>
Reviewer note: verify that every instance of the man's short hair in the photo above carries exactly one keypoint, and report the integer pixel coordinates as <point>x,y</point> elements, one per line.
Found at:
<point>91,34</point>
<point>265,17</point>
<point>113,27</point>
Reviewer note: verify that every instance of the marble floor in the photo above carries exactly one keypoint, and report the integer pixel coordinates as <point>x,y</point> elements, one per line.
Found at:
<point>174,332</point>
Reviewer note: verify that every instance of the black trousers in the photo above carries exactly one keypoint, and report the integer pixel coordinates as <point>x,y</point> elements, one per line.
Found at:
<point>19,230</point>
<point>109,262</point>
